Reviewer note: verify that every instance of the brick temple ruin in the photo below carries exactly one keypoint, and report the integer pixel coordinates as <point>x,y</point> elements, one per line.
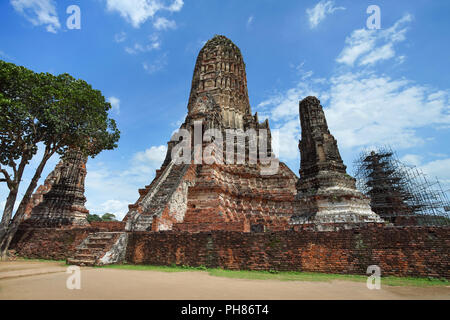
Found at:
<point>327,195</point>
<point>204,197</point>
<point>232,214</point>
<point>60,200</point>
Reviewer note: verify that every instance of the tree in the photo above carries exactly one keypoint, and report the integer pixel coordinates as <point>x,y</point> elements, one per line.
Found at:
<point>93,218</point>
<point>97,218</point>
<point>108,217</point>
<point>57,111</point>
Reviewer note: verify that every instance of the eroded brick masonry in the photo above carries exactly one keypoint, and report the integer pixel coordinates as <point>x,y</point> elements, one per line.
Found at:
<point>233,214</point>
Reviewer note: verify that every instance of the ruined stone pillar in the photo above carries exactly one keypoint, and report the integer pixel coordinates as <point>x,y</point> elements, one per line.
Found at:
<point>63,204</point>
<point>326,194</point>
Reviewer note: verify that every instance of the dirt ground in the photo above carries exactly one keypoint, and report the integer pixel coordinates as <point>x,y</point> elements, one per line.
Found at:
<point>46,280</point>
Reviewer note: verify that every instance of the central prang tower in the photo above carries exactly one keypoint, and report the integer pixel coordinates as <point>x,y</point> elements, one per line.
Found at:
<point>220,72</point>
<point>220,196</point>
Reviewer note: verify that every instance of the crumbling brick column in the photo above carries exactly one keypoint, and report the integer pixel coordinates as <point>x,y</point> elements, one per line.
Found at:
<point>63,204</point>
<point>326,194</point>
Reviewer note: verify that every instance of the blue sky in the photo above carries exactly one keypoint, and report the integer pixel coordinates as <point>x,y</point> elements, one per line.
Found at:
<point>378,87</point>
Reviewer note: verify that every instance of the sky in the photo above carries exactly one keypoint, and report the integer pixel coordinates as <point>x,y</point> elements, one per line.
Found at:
<point>384,86</point>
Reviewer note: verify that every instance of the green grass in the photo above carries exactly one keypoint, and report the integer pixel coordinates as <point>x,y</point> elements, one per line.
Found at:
<point>154,268</point>
<point>286,276</point>
<point>40,260</point>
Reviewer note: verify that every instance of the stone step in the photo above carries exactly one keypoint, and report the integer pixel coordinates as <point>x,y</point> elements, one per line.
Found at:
<point>81,262</point>
<point>84,256</point>
<point>145,217</point>
<point>93,248</point>
<point>102,237</point>
<point>95,245</point>
<point>99,241</point>
<point>166,183</point>
<point>87,250</point>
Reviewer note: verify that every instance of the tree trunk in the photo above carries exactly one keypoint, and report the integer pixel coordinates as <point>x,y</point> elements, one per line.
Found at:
<point>7,213</point>
<point>9,206</point>
<point>12,197</point>
<point>6,239</point>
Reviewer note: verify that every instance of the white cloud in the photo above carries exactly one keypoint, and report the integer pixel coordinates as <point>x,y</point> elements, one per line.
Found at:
<point>285,140</point>
<point>144,163</point>
<point>285,105</point>
<point>439,169</point>
<point>154,44</point>
<point>367,108</point>
<point>117,207</point>
<point>104,187</point>
<point>383,53</point>
<point>372,46</point>
<point>137,12</point>
<point>164,24</point>
<point>435,169</point>
<point>176,6</point>
<point>154,154</point>
<point>38,12</point>
<point>438,155</point>
<point>120,37</point>
<point>250,21</point>
<point>115,104</point>
<point>5,56</point>
<point>411,159</point>
<point>109,190</point>
<point>362,107</point>
<point>156,65</point>
<point>318,13</point>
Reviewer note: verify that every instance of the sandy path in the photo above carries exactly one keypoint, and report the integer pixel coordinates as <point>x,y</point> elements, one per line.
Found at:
<point>131,284</point>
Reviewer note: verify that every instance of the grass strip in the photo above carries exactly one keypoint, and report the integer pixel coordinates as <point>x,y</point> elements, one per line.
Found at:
<point>286,275</point>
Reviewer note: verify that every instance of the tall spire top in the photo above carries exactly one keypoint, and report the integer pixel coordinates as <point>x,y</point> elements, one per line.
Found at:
<point>318,148</point>
<point>220,73</point>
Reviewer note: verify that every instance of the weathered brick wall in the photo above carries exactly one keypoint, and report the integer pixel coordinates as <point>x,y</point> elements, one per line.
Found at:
<point>49,244</point>
<point>111,226</point>
<point>56,244</point>
<point>238,198</point>
<point>407,251</point>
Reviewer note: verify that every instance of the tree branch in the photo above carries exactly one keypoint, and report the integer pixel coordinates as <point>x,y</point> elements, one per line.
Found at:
<point>6,174</point>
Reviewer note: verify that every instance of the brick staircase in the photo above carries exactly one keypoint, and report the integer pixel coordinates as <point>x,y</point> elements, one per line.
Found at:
<point>155,197</point>
<point>95,247</point>
<point>166,189</point>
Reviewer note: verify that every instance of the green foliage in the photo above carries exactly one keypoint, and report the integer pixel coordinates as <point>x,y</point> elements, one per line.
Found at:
<point>97,218</point>
<point>93,218</point>
<point>109,217</point>
<point>59,111</point>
